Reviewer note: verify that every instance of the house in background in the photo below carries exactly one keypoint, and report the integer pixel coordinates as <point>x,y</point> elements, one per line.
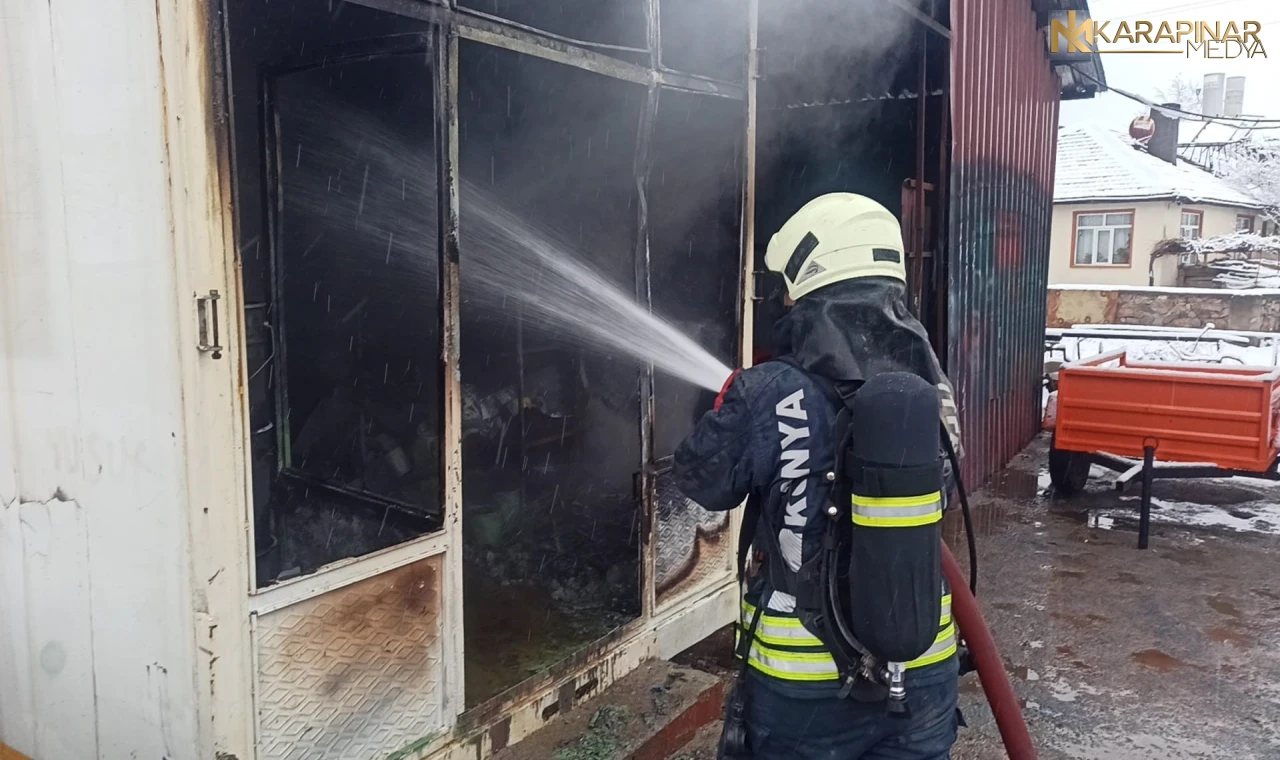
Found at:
<point>1115,198</point>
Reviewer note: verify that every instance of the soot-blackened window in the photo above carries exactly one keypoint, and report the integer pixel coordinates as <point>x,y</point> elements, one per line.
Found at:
<point>357,279</point>
<point>337,218</point>
<point>551,417</point>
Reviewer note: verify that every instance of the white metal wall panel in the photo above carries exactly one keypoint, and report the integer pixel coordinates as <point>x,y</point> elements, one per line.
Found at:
<point>356,672</point>
<point>97,620</point>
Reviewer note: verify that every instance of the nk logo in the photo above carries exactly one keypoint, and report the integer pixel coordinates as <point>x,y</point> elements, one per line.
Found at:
<point>1073,36</point>
<point>1077,35</point>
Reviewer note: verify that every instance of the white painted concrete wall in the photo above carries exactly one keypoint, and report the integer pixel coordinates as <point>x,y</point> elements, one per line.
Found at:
<point>97,605</point>
<point>1154,221</point>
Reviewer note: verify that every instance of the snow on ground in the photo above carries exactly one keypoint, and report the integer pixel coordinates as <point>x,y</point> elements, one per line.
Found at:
<point>1256,517</point>
<point>1155,350</point>
<point>1245,275</point>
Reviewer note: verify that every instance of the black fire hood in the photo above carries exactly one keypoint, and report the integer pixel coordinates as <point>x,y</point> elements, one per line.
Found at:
<point>851,331</point>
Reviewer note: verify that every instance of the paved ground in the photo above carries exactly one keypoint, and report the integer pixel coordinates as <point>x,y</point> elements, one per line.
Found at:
<point>1168,654</point>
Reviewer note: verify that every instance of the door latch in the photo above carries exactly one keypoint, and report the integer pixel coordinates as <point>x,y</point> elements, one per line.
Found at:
<point>207,313</point>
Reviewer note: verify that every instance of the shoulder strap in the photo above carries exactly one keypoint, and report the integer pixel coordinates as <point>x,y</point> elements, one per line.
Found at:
<point>747,533</point>
<point>825,385</point>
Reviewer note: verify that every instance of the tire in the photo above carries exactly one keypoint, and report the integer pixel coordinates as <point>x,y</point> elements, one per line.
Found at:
<point>1068,470</point>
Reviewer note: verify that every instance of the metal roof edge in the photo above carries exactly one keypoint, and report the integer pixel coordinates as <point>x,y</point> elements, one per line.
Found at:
<point>1114,199</point>
<point>1161,197</point>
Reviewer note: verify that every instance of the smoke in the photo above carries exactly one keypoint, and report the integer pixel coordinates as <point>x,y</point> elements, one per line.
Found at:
<point>839,80</point>
<point>361,191</point>
<point>818,51</point>
<point>366,189</point>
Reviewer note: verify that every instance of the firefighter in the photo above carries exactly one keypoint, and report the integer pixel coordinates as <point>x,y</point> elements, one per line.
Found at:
<point>770,440</point>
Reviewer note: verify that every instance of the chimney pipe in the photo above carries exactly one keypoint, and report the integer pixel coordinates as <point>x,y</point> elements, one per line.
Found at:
<point>1233,101</point>
<point>1164,143</point>
<point>1211,97</point>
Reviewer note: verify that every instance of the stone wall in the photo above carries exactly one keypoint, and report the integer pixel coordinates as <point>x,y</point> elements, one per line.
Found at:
<point>1250,310</point>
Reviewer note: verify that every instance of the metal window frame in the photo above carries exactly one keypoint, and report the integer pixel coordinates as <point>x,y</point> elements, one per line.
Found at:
<point>481,27</point>
<point>427,543</point>
<point>1182,225</point>
<point>449,25</point>
<point>456,24</point>
<point>1077,227</point>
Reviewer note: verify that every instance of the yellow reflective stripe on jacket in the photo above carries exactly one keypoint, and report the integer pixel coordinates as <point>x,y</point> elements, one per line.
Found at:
<point>897,511</point>
<point>779,630</point>
<point>793,666</point>
<point>820,666</point>
<point>783,648</point>
<point>943,647</point>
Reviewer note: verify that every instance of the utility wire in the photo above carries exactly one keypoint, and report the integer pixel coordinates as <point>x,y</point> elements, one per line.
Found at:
<point>1240,122</point>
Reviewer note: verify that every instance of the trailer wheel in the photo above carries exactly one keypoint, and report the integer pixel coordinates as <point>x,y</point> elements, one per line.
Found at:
<point>1068,470</point>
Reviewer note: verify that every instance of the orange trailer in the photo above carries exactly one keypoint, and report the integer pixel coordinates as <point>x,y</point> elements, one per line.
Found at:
<point>1198,420</point>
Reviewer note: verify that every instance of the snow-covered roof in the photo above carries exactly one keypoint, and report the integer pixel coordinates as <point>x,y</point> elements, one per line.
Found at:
<point>1241,243</point>
<point>1096,164</point>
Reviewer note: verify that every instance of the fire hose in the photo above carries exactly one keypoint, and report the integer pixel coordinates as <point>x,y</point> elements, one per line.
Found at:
<point>991,672</point>
<point>976,635</point>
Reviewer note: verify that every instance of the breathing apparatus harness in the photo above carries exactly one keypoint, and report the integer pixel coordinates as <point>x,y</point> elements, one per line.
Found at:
<point>825,604</point>
<point>873,595</point>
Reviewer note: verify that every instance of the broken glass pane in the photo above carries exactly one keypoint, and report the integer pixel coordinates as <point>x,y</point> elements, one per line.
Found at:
<point>358,293</point>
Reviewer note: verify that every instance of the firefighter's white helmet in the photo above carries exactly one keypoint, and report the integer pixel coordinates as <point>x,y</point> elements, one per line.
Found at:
<point>836,237</point>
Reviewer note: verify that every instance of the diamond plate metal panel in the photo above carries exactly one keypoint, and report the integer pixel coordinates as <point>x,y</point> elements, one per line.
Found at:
<point>693,547</point>
<point>353,673</point>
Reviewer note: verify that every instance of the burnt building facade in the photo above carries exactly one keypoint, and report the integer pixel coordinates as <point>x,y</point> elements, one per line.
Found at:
<point>351,338</point>
<point>426,195</point>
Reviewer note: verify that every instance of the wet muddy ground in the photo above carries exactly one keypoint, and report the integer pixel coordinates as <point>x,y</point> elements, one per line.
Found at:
<point>1119,654</point>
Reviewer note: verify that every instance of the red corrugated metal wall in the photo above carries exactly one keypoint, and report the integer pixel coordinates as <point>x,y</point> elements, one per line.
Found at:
<point>1004,129</point>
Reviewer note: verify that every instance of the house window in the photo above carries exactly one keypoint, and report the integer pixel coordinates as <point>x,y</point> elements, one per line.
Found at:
<point>1104,239</point>
<point>1191,223</point>
<point>1244,223</point>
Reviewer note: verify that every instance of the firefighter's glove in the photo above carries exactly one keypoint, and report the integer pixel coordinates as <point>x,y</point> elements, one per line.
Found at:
<point>720,398</point>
